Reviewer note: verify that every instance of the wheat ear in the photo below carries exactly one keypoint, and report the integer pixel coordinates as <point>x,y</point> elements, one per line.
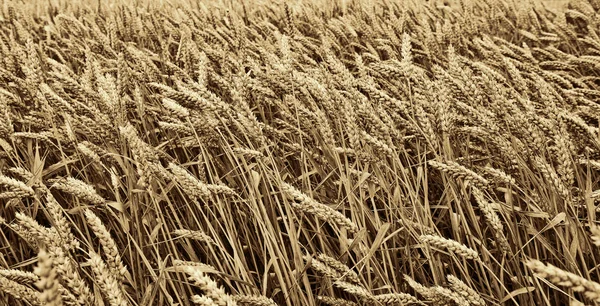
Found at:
<point>560,277</point>
<point>48,281</point>
<point>209,286</point>
<point>109,246</point>
<point>107,280</point>
<point>306,204</point>
<point>451,245</point>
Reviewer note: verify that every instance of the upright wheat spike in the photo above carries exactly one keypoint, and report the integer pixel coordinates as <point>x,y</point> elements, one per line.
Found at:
<point>60,222</point>
<point>210,287</point>
<point>464,290</point>
<point>107,281</point>
<point>48,281</point>
<point>109,246</point>
<point>69,276</point>
<point>492,218</point>
<point>143,154</point>
<point>550,175</point>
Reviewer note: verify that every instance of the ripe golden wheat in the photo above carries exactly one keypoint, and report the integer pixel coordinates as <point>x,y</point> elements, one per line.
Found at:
<point>304,152</point>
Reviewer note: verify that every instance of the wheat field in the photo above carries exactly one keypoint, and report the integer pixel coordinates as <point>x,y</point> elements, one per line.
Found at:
<point>307,152</point>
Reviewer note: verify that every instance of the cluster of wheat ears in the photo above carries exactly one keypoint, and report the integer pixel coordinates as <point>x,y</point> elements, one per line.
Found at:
<point>299,153</point>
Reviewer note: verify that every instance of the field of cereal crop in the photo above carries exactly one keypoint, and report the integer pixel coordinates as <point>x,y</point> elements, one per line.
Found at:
<point>252,152</point>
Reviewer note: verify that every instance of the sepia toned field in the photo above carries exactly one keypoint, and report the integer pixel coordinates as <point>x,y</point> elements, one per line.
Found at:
<point>299,153</point>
